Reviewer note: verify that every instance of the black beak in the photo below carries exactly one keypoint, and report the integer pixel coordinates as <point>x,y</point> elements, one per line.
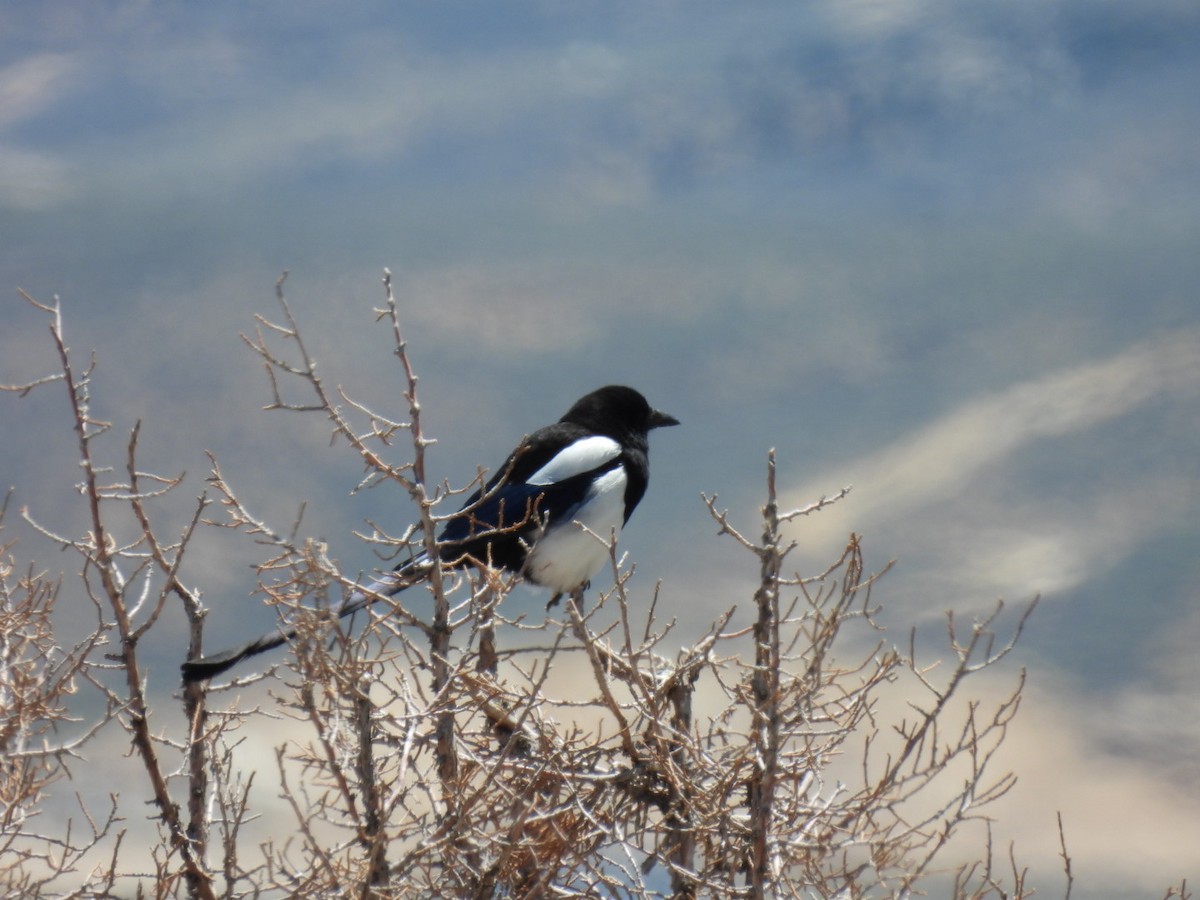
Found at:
<point>660,420</point>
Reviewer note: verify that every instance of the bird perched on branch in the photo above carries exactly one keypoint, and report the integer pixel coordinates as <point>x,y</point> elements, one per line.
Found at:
<point>541,515</point>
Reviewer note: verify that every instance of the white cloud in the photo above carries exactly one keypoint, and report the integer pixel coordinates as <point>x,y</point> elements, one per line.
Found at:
<point>1128,825</point>
<point>872,18</point>
<point>943,458</point>
<point>33,84</point>
<point>33,180</point>
<point>959,506</point>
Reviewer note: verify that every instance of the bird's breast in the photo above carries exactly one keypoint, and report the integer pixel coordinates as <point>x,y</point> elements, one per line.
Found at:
<point>570,552</point>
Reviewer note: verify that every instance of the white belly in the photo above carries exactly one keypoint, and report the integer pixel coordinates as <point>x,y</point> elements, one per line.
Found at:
<point>566,557</point>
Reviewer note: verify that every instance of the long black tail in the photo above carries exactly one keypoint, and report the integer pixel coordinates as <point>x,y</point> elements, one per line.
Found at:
<point>402,577</point>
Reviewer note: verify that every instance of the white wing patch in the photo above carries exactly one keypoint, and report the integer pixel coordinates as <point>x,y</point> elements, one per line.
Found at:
<point>568,556</point>
<point>574,459</point>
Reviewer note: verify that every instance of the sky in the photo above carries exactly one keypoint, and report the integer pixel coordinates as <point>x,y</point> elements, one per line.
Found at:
<point>942,251</point>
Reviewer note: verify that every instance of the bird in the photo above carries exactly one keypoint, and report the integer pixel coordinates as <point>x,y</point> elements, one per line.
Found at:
<point>538,517</point>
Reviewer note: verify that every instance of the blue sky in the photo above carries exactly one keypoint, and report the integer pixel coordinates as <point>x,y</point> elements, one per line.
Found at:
<point>944,251</point>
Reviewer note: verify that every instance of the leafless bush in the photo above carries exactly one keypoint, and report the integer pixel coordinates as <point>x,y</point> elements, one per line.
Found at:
<point>37,679</point>
<point>792,750</point>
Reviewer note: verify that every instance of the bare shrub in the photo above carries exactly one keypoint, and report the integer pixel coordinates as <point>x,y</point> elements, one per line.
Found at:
<point>447,748</point>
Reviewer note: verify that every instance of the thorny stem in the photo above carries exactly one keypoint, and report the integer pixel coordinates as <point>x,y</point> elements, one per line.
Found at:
<point>374,836</point>
<point>441,632</point>
<point>194,695</point>
<point>765,685</point>
<point>100,555</point>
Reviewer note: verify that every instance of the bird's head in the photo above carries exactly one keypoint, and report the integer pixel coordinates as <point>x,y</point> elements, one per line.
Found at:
<point>617,410</point>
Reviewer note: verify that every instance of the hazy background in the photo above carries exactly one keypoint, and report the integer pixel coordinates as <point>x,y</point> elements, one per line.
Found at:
<point>944,251</point>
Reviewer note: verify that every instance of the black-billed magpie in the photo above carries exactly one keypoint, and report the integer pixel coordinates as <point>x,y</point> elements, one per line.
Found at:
<point>539,516</point>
